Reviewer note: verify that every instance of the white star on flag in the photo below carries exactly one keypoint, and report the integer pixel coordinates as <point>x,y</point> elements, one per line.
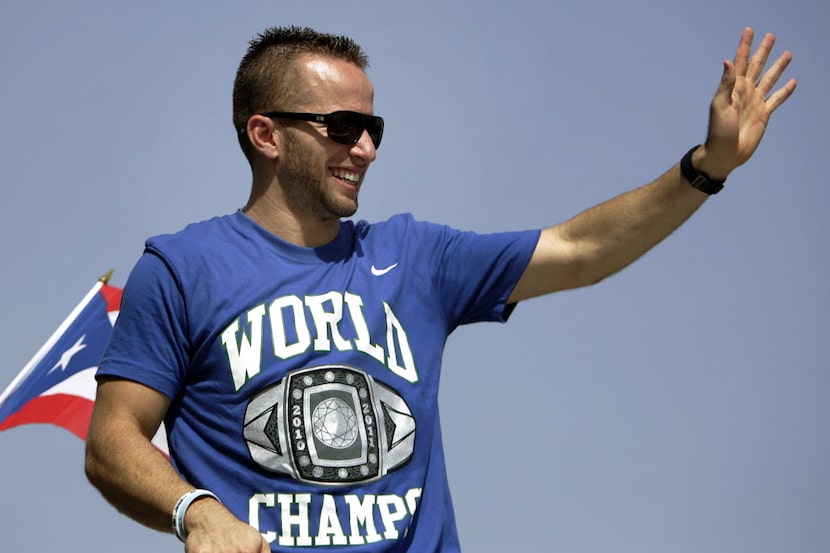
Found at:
<point>67,356</point>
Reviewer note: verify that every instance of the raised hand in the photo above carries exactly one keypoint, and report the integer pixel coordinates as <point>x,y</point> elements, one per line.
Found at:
<point>743,103</point>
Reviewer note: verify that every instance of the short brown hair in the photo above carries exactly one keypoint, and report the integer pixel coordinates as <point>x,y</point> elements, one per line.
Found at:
<point>266,76</point>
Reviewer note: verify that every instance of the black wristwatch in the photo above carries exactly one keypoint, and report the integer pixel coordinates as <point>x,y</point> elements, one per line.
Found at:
<point>701,181</point>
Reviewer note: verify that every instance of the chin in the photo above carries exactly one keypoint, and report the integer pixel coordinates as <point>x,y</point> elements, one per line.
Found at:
<point>340,210</point>
<point>349,212</point>
<point>344,207</point>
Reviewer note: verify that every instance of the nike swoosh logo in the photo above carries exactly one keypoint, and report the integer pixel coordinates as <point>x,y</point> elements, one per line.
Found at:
<point>379,272</point>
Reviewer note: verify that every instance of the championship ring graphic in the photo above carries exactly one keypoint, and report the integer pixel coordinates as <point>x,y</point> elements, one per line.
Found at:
<point>331,424</point>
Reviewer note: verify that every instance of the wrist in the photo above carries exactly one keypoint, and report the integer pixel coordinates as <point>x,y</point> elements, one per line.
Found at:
<point>697,178</point>
<point>190,513</point>
<point>705,163</point>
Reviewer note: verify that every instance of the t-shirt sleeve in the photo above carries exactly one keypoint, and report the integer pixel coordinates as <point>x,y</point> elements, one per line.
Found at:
<point>476,273</point>
<point>149,339</point>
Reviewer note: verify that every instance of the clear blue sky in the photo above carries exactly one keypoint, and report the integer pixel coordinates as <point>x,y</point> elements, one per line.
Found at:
<point>681,405</point>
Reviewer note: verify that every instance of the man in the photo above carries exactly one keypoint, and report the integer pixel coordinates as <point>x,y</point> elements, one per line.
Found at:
<point>294,357</point>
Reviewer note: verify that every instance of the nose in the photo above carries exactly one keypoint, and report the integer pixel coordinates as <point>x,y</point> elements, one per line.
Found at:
<point>364,148</point>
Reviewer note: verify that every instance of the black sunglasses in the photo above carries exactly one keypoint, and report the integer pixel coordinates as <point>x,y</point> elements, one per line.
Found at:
<point>344,127</point>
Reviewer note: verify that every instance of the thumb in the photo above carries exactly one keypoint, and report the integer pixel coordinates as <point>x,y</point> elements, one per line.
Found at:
<point>723,95</point>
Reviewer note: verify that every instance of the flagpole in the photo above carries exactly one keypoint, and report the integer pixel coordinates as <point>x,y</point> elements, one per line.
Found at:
<point>41,353</point>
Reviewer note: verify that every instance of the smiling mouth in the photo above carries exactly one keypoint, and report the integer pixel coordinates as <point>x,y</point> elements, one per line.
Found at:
<point>349,176</point>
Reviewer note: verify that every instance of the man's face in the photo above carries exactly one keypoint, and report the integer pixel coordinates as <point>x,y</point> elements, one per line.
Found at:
<point>320,177</point>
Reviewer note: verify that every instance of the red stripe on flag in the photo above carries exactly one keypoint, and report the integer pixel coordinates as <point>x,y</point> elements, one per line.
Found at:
<point>72,413</point>
<point>113,296</point>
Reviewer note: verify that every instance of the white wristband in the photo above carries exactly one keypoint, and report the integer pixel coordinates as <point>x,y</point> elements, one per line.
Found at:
<point>181,508</point>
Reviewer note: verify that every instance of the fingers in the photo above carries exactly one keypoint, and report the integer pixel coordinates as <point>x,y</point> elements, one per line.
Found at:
<point>744,49</point>
<point>781,95</point>
<point>759,59</point>
<point>774,73</point>
<point>753,68</point>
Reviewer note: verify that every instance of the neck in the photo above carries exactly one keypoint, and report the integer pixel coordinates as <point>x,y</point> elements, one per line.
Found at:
<point>308,232</point>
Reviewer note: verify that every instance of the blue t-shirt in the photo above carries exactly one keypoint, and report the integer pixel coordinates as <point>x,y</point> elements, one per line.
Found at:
<point>304,381</point>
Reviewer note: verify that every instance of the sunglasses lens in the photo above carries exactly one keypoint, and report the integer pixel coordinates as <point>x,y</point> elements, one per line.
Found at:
<point>346,127</point>
<point>375,127</point>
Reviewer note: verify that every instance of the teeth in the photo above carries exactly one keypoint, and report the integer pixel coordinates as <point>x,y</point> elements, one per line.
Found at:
<point>345,175</point>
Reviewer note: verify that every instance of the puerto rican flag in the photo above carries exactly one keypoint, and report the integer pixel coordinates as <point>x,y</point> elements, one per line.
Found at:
<point>57,386</point>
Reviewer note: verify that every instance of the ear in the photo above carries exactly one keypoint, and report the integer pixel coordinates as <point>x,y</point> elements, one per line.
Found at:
<point>264,136</point>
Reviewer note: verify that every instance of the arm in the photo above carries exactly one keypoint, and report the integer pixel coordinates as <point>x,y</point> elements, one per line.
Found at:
<point>136,478</point>
<point>606,238</point>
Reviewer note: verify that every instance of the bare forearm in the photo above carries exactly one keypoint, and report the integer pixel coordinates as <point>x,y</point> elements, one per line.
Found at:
<point>135,478</point>
<point>133,475</point>
<point>606,238</point>
<point>141,483</point>
<point>615,233</point>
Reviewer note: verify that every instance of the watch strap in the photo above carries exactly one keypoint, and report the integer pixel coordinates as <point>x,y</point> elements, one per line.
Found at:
<point>698,179</point>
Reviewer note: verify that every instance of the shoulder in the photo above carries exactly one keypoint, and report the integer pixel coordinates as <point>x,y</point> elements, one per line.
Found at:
<point>201,250</point>
<point>402,226</point>
<point>194,234</point>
